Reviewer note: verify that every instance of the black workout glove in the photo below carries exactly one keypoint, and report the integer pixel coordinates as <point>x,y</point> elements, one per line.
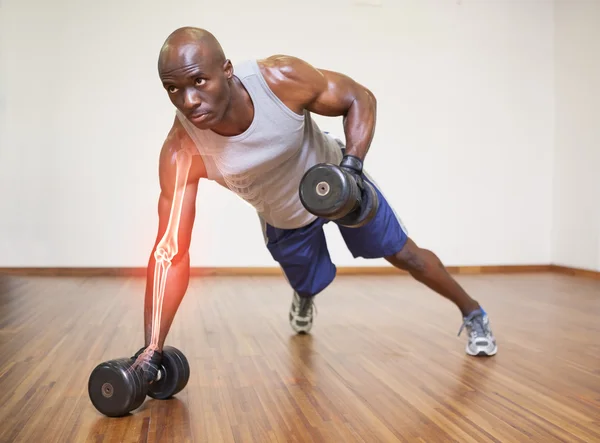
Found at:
<point>354,166</point>
<point>150,368</point>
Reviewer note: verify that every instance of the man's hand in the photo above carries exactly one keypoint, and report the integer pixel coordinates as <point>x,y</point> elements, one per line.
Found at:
<point>303,87</point>
<point>354,166</point>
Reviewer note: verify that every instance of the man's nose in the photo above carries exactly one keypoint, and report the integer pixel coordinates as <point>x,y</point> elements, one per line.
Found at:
<point>191,99</point>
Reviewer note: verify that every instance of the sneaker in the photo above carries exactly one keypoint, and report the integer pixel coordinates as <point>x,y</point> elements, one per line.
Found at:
<point>149,361</point>
<point>301,313</point>
<point>481,339</point>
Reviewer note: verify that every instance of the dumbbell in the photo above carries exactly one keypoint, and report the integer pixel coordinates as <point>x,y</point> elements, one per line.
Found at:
<point>329,191</point>
<point>116,388</point>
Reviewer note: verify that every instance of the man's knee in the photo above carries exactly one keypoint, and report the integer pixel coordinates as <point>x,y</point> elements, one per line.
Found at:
<point>410,258</point>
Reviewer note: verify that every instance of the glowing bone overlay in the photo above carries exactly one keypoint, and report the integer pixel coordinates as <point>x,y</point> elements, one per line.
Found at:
<point>165,250</point>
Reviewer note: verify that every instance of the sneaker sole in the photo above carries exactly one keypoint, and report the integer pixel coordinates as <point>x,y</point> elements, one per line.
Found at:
<point>482,353</point>
<point>301,330</point>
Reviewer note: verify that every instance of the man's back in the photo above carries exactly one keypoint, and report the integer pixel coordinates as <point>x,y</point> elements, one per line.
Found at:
<point>264,164</point>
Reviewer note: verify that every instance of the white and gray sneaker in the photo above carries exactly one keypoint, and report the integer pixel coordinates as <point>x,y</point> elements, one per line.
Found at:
<point>301,313</point>
<point>481,340</point>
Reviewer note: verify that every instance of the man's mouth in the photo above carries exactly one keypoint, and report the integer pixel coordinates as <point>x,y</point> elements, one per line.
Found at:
<point>198,116</point>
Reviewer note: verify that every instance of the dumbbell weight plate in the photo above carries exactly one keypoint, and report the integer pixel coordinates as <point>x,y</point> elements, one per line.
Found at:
<point>365,213</point>
<point>184,368</point>
<point>142,387</point>
<point>325,191</point>
<point>115,389</point>
<point>174,374</point>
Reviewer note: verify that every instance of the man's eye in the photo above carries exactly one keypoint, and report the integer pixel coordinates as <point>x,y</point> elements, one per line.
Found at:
<point>200,81</point>
<point>172,89</point>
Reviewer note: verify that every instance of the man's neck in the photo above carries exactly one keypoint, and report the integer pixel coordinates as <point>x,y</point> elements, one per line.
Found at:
<point>239,114</point>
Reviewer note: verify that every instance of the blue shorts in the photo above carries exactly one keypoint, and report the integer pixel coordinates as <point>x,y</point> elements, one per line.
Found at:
<point>303,255</point>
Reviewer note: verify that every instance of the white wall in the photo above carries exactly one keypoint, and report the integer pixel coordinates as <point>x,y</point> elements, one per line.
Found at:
<point>576,231</point>
<point>463,147</point>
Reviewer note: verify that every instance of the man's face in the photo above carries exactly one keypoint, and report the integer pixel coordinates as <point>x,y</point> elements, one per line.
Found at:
<point>197,84</point>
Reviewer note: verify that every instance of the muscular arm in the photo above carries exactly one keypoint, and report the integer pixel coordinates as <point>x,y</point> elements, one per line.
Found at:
<point>303,87</point>
<point>180,170</point>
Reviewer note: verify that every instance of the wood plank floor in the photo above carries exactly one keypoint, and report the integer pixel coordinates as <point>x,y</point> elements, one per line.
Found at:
<point>383,363</point>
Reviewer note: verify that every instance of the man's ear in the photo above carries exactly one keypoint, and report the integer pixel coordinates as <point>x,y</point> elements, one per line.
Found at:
<point>228,69</point>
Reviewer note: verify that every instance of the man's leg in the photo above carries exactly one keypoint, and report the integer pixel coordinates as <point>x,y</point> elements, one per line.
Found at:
<point>304,258</point>
<point>385,237</point>
<point>427,268</point>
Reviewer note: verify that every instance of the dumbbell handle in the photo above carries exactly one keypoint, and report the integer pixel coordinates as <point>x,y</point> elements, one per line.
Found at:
<point>353,163</point>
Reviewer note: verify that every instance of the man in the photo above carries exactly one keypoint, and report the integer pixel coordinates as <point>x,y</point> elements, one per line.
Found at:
<point>251,131</point>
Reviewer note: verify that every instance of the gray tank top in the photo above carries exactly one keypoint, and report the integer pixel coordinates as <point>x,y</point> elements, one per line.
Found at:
<point>264,164</point>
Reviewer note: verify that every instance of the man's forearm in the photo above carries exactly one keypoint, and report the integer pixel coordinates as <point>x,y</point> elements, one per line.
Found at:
<point>359,123</point>
<point>177,281</point>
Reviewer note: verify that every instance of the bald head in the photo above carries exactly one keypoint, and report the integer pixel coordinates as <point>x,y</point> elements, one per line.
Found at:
<point>196,75</point>
<point>185,42</point>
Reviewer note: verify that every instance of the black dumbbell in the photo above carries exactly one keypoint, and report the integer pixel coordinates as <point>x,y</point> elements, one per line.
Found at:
<point>328,191</point>
<point>116,387</point>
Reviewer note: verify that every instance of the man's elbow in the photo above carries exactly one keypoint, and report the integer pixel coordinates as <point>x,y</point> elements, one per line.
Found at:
<point>182,256</point>
<point>371,97</point>
<point>364,98</point>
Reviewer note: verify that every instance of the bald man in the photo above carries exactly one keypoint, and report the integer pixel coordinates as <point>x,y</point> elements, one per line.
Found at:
<point>249,129</point>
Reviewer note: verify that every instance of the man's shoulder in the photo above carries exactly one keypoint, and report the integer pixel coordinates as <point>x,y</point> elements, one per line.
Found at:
<point>177,140</point>
<point>282,67</point>
<point>277,60</point>
<point>178,144</point>
<point>276,67</point>
<point>178,136</point>
<point>295,81</point>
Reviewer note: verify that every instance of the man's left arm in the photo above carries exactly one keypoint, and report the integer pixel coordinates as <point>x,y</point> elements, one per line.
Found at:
<point>303,87</point>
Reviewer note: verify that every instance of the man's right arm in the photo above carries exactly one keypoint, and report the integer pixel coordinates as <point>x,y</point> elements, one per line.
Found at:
<point>178,159</point>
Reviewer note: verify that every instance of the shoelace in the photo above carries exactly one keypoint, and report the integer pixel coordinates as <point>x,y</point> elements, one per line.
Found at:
<point>304,305</point>
<point>475,321</point>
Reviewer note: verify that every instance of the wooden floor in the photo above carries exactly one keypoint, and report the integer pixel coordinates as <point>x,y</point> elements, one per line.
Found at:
<point>383,363</point>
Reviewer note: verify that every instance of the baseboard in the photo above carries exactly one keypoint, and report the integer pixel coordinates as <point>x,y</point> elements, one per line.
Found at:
<point>276,271</point>
<point>576,272</point>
